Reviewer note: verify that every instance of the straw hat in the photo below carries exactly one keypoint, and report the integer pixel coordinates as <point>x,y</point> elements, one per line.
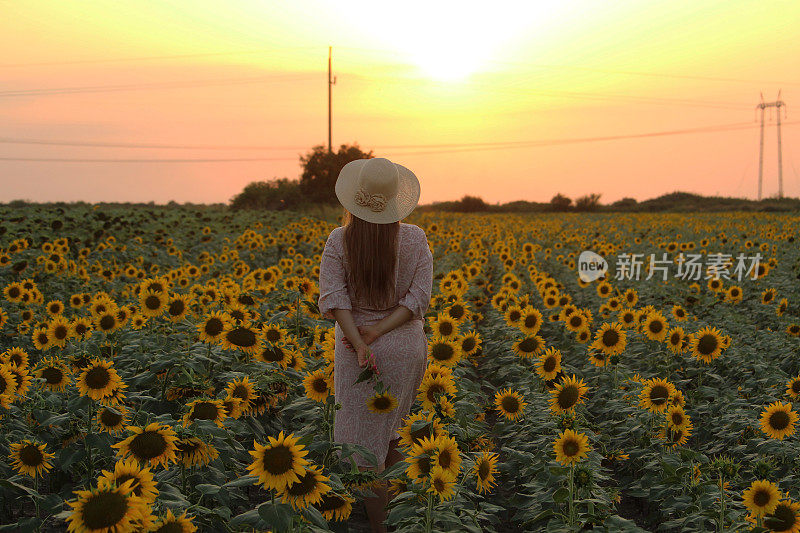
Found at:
<point>377,190</point>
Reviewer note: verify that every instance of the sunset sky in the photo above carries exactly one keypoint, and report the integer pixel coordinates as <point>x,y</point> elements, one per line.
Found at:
<point>469,83</point>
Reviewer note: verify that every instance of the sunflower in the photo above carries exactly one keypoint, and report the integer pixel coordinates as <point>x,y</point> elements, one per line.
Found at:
<point>8,386</point>
<point>307,490</point>
<point>610,339</point>
<point>571,447</point>
<point>152,303</point>
<point>604,289</point>
<point>382,403</point>
<point>204,409</point>
<point>81,328</point>
<point>793,330</point>
<point>567,394</point>
<point>785,518</point>
<point>192,451</point>
<point>793,387</point>
<point>419,426</point>
<point>16,356</point>
<point>447,455</point>
<point>98,379</point>
<point>143,485</point>
<point>761,498</point>
<point>169,523</point>
<point>768,296</point>
<point>244,389</point>
<point>576,322</point>
<point>41,339</point>
<point>655,394</point>
<point>443,351</point>
<point>469,342</point>
<point>211,329</point>
<point>30,458</point>
<point>233,407</point>
<point>509,403</point>
<point>549,364</point>
<point>420,463</point>
<point>335,506</point>
<point>274,354</point>
<point>59,331</point>
<point>675,437</point>
<point>442,483</point>
<point>783,305</point>
<point>655,326</point>
<point>676,338</point>
<point>241,337</point>
<point>178,307</point>
<point>153,444</point>
<point>274,334</point>
<point>279,462</point>
<point>778,419</point>
<point>528,347</point>
<point>677,417</point>
<point>627,318</point>
<point>485,468</point>
<point>318,385</point>
<point>598,359</point>
<point>444,326</point>
<point>107,321</point>
<point>112,419</point>
<point>107,509</point>
<point>432,386</point>
<point>54,372</point>
<point>706,344</point>
<point>583,336</point>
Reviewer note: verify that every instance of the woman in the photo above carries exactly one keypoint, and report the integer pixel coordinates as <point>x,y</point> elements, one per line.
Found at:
<point>376,277</point>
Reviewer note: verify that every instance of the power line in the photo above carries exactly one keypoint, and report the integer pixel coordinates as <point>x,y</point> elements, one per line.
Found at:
<point>468,148</point>
<point>100,144</point>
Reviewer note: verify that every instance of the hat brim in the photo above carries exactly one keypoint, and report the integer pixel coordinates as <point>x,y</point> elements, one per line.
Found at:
<point>396,209</point>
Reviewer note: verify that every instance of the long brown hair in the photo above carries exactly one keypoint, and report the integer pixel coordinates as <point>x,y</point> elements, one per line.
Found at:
<point>371,251</point>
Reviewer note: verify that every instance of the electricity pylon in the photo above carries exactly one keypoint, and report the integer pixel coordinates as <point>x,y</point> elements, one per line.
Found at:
<point>763,105</point>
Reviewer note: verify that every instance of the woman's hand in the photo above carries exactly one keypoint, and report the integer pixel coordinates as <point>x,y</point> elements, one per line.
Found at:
<point>364,355</point>
<point>369,334</point>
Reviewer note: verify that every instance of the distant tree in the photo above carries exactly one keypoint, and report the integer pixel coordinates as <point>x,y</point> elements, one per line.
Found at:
<point>560,202</point>
<point>274,195</point>
<point>321,169</point>
<point>470,204</point>
<point>590,202</point>
<point>625,203</point>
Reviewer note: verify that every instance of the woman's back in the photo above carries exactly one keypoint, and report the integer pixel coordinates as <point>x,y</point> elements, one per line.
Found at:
<point>410,290</point>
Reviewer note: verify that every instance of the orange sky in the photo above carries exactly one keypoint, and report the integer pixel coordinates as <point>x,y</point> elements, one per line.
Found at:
<point>253,73</point>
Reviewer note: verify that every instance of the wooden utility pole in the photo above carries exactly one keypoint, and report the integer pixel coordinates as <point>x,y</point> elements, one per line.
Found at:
<point>330,84</point>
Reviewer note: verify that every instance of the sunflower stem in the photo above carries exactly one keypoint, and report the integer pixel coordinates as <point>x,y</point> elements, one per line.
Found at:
<point>428,514</point>
<point>572,495</point>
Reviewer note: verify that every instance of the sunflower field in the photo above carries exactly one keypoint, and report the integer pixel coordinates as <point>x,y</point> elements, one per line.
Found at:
<point>167,369</point>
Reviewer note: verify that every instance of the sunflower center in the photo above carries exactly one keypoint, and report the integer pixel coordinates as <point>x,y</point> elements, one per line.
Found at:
<point>424,464</point>
<point>707,344</point>
<point>530,344</point>
<point>60,332</point>
<point>278,460</point>
<point>306,485</point>
<point>243,337</point>
<point>148,445</point>
<point>468,344</point>
<point>796,386</point>
<point>51,375</point>
<point>104,510</point>
<point>761,498</point>
<point>107,322</point>
<point>110,418</point>
<point>531,321</point>
<point>570,448</point>
<point>779,420</point>
<point>30,455</point>
<point>675,339</point>
<point>677,418</point>
<point>319,385</point>
<point>575,321</point>
<point>783,518</point>
<point>152,302</point>
<point>656,326</point>
<point>659,395</point>
<point>510,404</point>
<point>205,411</point>
<point>567,397</point>
<point>176,308</point>
<point>549,364</point>
<point>514,316</point>
<point>272,354</point>
<point>442,352</point>
<point>213,326</point>
<point>97,378</point>
<point>483,470</point>
<point>273,335</point>
<point>434,390</point>
<point>445,458</point>
<point>438,484</point>
<point>610,338</point>
<point>446,328</point>
<point>382,402</point>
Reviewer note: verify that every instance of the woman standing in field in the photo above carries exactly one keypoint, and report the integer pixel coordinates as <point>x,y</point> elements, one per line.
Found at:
<point>376,277</point>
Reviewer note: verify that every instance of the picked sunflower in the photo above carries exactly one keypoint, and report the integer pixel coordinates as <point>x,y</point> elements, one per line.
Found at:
<point>382,403</point>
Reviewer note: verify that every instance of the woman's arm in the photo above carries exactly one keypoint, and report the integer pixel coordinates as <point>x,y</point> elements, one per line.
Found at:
<point>400,316</point>
<point>363,352</point>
